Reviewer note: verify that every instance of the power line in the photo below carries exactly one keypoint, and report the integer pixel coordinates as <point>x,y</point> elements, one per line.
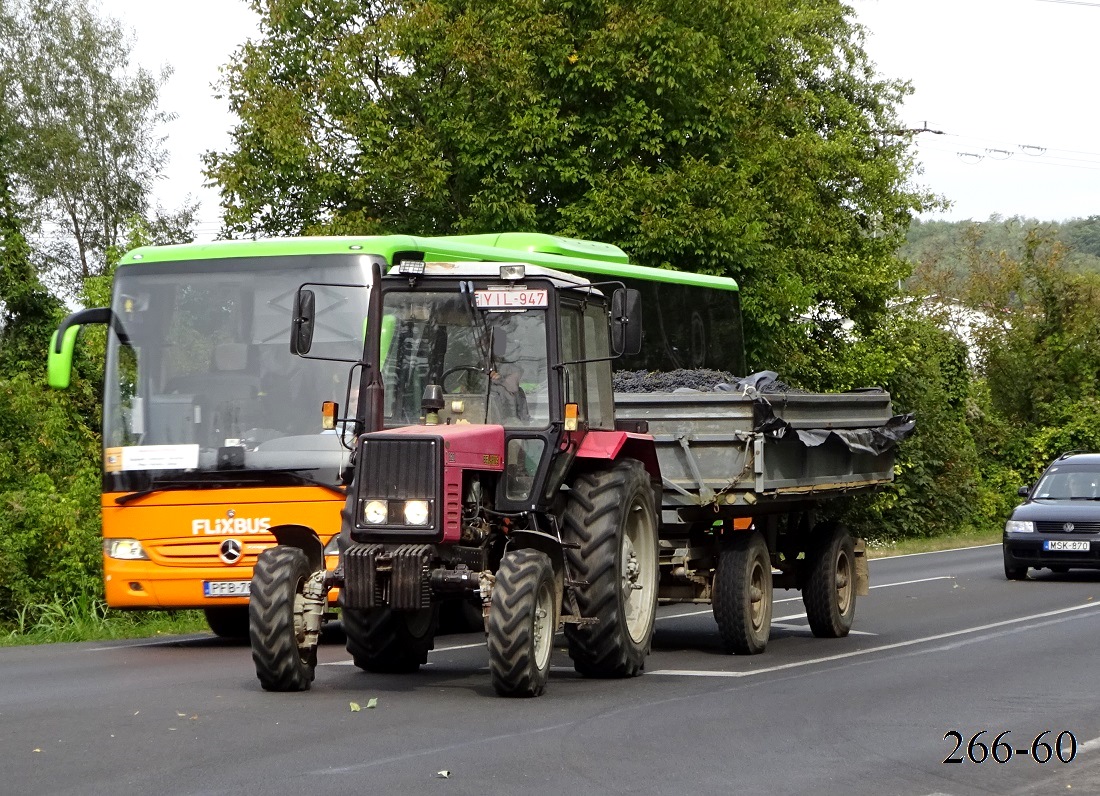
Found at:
<point>1072,3</point>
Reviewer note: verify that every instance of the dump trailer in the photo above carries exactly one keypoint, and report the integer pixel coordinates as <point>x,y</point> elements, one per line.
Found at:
<point>742,478</point>
<point>493,459</point>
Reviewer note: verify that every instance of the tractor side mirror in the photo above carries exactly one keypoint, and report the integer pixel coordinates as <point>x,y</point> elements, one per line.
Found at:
<point>626,322</point>
<point>301,322</point>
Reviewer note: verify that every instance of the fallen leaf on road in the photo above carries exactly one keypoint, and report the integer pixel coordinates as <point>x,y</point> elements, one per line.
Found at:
<point>372,702</point>
<point>354,707</point>
<point>38,750</point>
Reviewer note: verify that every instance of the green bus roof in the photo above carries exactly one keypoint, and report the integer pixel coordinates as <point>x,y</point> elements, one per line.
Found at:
<point>590,258</point>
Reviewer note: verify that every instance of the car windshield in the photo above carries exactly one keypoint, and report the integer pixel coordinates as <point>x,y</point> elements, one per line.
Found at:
<point>1069,482</point>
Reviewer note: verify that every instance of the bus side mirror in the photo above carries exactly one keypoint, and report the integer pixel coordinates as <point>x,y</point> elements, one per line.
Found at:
<point>626,322</point>
<point>59,360</point>
<point>301,324</point>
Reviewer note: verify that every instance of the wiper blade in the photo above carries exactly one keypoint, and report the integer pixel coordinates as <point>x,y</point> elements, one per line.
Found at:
<point>298,473</point>
<point>167,486</point>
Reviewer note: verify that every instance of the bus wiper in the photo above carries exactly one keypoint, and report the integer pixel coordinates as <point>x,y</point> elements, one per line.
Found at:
<point>298,473</point>
<point>165,485</point>
<point>169,485</point>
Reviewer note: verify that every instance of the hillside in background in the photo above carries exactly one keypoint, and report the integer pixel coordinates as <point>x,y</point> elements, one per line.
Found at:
<point>950,245</point>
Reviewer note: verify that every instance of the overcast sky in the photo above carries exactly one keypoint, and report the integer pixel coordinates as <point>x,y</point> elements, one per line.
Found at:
<point>1008,83</point>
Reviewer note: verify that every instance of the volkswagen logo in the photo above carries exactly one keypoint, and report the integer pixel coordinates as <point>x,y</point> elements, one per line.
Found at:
<point>230,552</point>
<point>1068,527</point>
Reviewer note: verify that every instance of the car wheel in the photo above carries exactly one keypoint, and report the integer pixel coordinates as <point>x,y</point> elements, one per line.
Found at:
<point>1014,571</point>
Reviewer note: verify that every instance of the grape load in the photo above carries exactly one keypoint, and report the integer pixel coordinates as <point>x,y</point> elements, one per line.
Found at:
<point>695,380</point>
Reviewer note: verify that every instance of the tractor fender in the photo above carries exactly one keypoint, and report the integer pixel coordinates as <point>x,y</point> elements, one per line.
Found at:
<point>610,446</point>
<point>305,539</point>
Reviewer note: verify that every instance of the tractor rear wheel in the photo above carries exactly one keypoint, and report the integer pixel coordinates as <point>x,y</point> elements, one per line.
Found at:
<point>610,516</point>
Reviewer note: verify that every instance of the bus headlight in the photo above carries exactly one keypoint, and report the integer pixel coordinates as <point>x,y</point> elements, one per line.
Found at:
<point>375,512</point>
<point>124,549</point>
<point>416,512</point>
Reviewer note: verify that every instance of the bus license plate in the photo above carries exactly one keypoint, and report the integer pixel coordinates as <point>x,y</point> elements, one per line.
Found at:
<point>226,588</point>
<point>1059,544</point>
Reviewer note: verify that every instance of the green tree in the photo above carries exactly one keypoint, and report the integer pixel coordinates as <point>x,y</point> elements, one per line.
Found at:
<point>85,149</point>
<point>748,138</point>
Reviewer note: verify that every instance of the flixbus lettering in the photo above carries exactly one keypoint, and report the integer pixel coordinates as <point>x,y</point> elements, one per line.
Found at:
<point>222,526</point>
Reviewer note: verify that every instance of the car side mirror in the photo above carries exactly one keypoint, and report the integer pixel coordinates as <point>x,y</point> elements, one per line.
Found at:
<point>1023,491</point>
<point>301,323</point>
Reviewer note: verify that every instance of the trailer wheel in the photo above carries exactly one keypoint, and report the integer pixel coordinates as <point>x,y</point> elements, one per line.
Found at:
<point>284,662</point>
<point>230,621</point>
<point>386,641</point>
<point>829,592</point>
<point>742,601</point>
<point>610,515</point>
<point>522,622</point>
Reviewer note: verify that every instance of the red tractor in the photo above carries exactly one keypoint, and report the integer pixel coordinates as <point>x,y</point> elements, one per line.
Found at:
<point>487,466</point>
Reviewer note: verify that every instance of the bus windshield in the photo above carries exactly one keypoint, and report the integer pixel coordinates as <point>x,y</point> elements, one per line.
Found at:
<point>201,379</point>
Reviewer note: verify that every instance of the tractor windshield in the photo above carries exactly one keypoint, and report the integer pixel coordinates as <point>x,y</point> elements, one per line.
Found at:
<point>440,338</point>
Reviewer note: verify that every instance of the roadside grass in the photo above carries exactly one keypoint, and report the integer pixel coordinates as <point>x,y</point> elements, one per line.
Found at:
<point>899,547</point>
<point>86,619</point>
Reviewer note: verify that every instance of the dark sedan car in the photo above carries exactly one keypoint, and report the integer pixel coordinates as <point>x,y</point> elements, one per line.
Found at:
<point>1058,526</point>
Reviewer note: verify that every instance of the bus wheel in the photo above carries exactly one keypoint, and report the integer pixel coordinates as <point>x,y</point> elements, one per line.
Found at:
<point>284,660</point>
<point>229,621</point>
<point>522,622</point>
<point>742,602</point>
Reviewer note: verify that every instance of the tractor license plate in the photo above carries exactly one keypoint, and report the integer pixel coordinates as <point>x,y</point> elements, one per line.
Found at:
<point>510,299</point>
<point>226,588</point>
<point>1056,545</point>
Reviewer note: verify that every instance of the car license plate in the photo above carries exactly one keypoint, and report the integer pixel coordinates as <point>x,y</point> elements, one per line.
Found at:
<point>1057,545</point>
<point>226,588</point>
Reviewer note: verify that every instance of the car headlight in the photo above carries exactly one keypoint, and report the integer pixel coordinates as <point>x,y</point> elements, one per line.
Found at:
<point>416,512</point>
<point>1019,526</point>
<point>375,512</point>
<point>125,549</point>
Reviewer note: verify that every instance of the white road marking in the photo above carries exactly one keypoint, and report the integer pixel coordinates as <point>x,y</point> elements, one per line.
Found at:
<point>1089,746</point>
<point>937,552</point>
<point>799,599</point>
<point>872,650</point>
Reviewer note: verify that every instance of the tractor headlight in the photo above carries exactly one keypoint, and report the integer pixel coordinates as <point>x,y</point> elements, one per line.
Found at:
<point>416,512</point>
<point>375,512</point>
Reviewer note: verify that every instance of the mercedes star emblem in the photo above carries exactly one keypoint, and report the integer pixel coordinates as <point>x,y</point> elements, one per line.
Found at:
<point>230,552</point>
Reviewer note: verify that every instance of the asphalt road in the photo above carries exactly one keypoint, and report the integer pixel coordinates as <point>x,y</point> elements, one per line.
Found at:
<point>942,644</point>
